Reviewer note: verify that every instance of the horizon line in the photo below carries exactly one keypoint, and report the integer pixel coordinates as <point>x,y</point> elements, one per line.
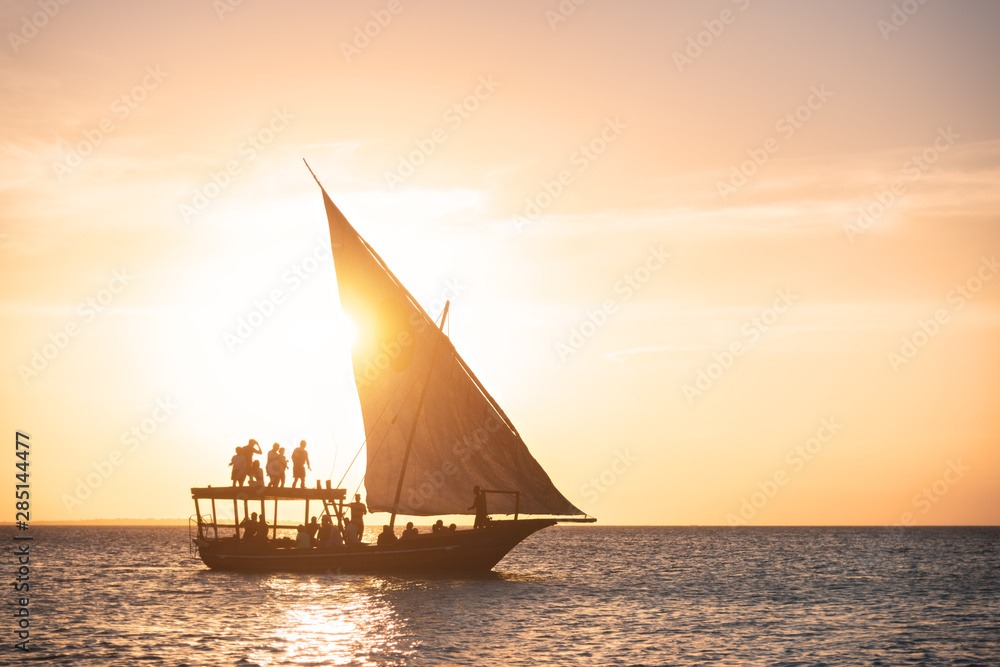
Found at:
<point>184,522</point>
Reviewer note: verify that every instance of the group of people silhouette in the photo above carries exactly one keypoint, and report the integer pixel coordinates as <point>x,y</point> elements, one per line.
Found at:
<point>314,533</point>
<point>387,536</point>
<point>254,528</point>
<point>245,466</point>
<point>325,533</point>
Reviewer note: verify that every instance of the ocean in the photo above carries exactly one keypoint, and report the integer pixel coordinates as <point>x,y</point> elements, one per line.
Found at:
<point>569,595</point>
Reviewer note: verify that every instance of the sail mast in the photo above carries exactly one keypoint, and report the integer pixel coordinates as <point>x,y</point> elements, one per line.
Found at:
<point>416,420</point>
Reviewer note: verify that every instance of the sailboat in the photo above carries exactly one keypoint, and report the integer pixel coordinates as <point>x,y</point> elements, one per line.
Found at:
<point>433,434</point>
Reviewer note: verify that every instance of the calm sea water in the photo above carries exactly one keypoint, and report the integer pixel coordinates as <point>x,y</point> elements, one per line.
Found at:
<point>568,595</point>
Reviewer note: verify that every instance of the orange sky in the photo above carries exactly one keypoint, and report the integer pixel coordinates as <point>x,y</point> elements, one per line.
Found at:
<point>646,216</point>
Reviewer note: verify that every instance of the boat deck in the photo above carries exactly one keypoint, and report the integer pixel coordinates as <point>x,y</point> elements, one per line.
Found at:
<point>466,550</point>
<point>266,493</point>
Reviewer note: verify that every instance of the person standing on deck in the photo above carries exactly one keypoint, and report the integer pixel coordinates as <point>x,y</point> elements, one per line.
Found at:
<point>272,465</point>
<point>239,464</point>
<point>300,461</point>
<point>281,463</point>
<point>358,512</point>
<point>479,504</point>
<point>248,451</point>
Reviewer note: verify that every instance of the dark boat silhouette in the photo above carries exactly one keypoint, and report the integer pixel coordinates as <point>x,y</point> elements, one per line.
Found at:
<point>433,433</point>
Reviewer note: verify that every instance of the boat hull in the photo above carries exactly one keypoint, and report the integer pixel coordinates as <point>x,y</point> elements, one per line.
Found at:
<point>451,551</point>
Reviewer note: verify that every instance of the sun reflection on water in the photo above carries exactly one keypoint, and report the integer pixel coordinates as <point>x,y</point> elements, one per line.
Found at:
<point>336,619</point>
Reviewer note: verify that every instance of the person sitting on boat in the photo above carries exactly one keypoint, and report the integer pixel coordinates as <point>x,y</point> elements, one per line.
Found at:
<point>256,476</point>
<point>313,528</point>
<point>386,537</point>
<point>261,534</point>
<point>358,512</point>
<point>351,533</point>
<point>239,464</point>
<point>249,526</point>
<point>410,531</point>
<point>479,504</point>
<point>302,538</point>
<point>300,461</point>
<point>272,465</point>
<point>323,535</point>
<point>336,538</point>
<point>438,526</point>
<point>452,528</point>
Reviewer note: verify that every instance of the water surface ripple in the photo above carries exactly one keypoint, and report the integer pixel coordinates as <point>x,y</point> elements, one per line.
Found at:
<point>568,595</point>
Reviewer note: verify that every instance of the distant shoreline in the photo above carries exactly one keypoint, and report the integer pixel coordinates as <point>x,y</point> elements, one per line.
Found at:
<point>184,522</point>
<point>109,522</point>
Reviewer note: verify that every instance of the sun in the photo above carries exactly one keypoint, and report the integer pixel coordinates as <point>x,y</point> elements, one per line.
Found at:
<point>346,331</point>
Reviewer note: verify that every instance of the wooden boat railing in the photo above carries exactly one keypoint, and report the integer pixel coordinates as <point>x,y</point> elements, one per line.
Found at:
<point>195,524</point>
<point>517,499</point>
<point>332,499</point>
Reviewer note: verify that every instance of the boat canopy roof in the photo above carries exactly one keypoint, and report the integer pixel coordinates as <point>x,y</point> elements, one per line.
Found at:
<point>265,493</point>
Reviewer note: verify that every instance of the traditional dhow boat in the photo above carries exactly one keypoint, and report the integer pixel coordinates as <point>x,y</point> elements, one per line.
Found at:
<point>433,433</point>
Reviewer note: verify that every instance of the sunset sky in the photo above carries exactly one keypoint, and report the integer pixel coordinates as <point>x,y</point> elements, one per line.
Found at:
<point>718,261</point>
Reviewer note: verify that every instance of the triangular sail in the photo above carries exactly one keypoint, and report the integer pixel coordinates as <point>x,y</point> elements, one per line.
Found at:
<point>462,438</point>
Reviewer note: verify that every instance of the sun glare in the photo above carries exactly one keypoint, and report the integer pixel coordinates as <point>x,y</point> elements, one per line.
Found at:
<point>346,333</point>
